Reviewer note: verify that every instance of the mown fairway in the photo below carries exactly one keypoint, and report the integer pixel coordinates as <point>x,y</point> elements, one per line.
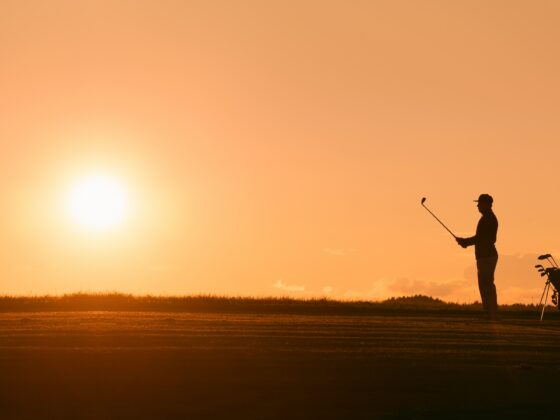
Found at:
<point>181,365</point>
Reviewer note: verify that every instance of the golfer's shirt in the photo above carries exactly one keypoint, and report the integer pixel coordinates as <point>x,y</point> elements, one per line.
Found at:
<point>485,238</point>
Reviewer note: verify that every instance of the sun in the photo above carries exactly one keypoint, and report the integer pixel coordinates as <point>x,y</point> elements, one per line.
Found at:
<point>97,203</point>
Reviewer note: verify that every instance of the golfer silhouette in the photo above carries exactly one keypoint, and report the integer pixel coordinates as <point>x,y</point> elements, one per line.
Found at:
<point>486,254</point>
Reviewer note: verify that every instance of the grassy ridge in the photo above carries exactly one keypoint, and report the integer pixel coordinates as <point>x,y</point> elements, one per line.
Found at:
<point>224,304</point>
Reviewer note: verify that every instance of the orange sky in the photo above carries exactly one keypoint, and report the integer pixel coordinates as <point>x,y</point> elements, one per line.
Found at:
<point>279,147</point>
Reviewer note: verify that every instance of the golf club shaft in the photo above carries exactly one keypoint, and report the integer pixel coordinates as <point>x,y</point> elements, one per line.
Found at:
<point>551,261</point>
<point>542,296</point>
<point>446,228</point>
<point>545,299</point>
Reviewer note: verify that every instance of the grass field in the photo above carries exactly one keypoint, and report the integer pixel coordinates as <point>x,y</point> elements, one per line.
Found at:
<point>259,365</point>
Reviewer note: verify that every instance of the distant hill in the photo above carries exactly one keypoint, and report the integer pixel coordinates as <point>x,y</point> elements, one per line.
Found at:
<point>415,300</point>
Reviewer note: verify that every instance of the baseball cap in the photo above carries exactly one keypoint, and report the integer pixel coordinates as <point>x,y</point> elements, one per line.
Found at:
<point>485,198</point>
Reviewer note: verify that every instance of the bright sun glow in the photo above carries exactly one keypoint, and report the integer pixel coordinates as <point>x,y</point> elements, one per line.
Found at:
<point>97,203</point>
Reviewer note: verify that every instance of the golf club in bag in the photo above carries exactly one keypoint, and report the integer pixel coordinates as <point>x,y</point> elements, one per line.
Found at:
<point>552,274</point>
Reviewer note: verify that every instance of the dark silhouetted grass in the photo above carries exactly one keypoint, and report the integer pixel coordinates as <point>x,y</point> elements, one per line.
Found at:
<point>228,304</point>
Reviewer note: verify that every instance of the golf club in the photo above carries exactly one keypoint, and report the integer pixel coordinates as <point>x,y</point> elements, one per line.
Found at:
<point>549,258</point>
<point>446,228</point>
<point>546,289</point>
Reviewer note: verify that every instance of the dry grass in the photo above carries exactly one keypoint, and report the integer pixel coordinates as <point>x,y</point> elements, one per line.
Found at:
<point>229,304</point>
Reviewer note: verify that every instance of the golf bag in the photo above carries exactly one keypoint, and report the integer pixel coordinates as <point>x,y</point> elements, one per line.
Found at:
<point>552,274</point>
<point>554,278</point>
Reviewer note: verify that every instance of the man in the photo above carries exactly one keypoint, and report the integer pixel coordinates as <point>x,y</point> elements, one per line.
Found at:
<point>486,254</point>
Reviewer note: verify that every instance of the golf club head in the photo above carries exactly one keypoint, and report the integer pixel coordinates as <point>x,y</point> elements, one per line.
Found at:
<point>544,256</point>
<point>423,200</point>
<point>539,266</point>
<point>543,274</point>
<point>541,270</point>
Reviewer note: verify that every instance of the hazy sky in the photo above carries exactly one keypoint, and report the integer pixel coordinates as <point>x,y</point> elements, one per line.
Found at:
<point>279,147</point>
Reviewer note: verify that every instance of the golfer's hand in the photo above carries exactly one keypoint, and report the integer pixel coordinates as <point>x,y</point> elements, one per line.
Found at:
<point>461,242</point>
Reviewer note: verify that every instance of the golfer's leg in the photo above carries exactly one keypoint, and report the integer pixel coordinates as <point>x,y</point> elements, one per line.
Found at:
<point>482,284</point>
<point>492,295</point>
<point>486,268</point>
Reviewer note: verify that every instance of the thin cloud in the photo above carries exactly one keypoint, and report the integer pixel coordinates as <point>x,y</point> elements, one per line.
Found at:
<point>513,270</point>
<point>385,288</point>
<point>517,280</point>
<point>288,287</point>
<point>430,288</point>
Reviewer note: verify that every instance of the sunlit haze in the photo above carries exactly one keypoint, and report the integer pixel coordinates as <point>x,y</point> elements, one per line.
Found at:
<point>276,148</point>
<point>97,203</point>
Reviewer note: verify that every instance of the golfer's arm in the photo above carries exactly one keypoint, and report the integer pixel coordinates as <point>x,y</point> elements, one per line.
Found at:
<point>484,234</point>
<point>470,241</point>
